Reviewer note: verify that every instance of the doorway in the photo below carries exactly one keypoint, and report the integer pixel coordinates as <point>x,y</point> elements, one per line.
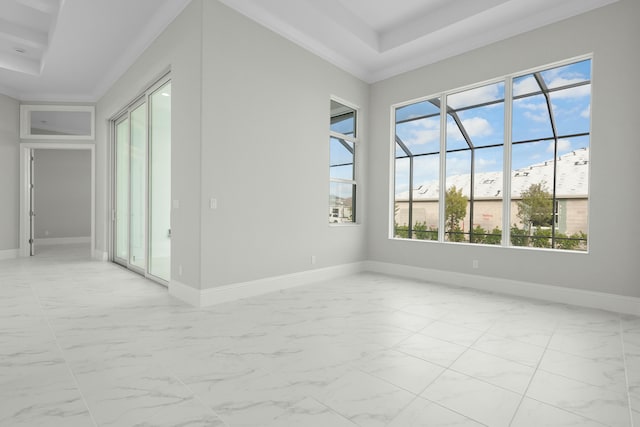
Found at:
<point>141,230</point>
<point>65,195</point>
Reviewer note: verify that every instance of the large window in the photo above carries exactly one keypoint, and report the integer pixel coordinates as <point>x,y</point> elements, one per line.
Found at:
<point>463,196</point>
<point>342,171</point>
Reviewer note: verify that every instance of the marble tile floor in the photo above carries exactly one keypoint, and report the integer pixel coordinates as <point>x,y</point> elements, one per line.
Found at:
<point>87,343</point>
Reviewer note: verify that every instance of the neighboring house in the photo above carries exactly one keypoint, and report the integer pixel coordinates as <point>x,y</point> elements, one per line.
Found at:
<point>572,189</point>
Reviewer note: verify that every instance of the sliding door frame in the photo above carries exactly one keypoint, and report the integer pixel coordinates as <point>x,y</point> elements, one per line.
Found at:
<point>143,98</point>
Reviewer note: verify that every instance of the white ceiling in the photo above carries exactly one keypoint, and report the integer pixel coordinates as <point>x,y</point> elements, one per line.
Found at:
<point>74,50</point>
<point>377,39</point>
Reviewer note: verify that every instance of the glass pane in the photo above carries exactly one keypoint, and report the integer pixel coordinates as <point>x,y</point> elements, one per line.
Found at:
<point>455,138</point>
<point>477,96</point>
<point>487,195</point>
<point>160,184</point>
<point>525,85</point>
<point>531,119</point>
<point>426,186</point>
<point>341,154</point>
<point>72,123</point>
<point>401,205</point>
<point>457,197</point>
<point>138,181</point>
<point>532,195</point>
<point>341,197</point>
<point>572,195</point>
<point>417,165</point>
<point>418,110</point>
<point>484,125</point>
<point>572,110</point>
<point>343,119</point>
<point>578,72</point>
<point>122,190</point>
<point>420,136</point>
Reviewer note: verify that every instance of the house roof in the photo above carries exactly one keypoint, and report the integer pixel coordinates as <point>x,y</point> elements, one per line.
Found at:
<point>572,180</point>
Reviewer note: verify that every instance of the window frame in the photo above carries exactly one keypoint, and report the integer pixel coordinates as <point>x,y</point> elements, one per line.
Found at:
<point>355,141</point>
<point>507,145</point>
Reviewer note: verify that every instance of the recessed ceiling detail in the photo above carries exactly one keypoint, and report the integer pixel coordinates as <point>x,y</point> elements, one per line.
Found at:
<point>26,27</point>
<point>74,50</point>
<point>375,40</point>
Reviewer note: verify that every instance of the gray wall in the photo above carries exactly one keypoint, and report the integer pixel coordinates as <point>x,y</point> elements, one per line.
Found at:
<point>265,154</point>
<point>180,48</point>
<point>612,266</point>
<point>62,193</point>
<point>9,172</point>
<point>249,128</point>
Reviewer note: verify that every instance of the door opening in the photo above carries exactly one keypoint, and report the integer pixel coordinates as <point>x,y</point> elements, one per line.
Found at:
<point>57,205</point>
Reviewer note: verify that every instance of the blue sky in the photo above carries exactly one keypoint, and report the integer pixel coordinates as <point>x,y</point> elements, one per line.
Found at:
<point>485,125</point>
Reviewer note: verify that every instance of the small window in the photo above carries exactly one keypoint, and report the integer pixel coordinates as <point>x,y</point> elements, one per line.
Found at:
<point>342,157</point>
<point>57,122</point>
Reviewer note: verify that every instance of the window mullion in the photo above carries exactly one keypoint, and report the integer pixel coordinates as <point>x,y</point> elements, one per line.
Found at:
<point>443,165</point>
<point>506,169</point>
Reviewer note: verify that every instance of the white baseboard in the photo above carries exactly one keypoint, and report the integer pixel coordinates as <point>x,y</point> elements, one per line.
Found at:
<point>62,240</point>
<point>236,291</point>
<point>100,255</point>
<point>8,254</point>
<point>558,294</point>
<point>185,293</point>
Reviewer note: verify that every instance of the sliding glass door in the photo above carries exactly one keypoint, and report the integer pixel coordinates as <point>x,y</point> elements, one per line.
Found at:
<point>142,185</point>
<point>160,182</point>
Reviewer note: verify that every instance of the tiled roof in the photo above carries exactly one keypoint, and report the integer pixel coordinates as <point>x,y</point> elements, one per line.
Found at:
<point>572,179</point>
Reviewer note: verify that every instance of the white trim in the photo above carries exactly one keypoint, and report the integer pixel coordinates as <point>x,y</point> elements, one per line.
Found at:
<point>236,291</point>
<point>557,294</point>
<point>185,293</point>
<point>25,121</point>
<point>62,240</point>
<point>8,254</point>
<point>100,255</point>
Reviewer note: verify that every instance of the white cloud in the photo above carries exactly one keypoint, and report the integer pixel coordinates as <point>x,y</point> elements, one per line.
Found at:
<point>421,132</point>
<point>564,145</point>
<point>538,106</point>
<point>486,165</point>
<point>541,117</point>
<point>475,127</point>
<point>475,96</point>
<point>586,113</point>
<point>458,164</point>
<point>572,93</point>
<point>526,85</point>
<point>529,85</point>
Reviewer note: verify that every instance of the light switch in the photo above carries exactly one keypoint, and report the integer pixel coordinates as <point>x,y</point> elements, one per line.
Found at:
<point>213,203</point>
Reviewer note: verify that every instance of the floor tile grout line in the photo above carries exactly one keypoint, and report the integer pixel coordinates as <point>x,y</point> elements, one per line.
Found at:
<point>62,353</point>
<point>444,370</point>
<point>197,397</point>
<point>535,371</point>
<point>524,395</point>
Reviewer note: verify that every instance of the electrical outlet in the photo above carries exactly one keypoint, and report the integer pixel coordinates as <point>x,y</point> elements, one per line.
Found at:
<point>476,264</point>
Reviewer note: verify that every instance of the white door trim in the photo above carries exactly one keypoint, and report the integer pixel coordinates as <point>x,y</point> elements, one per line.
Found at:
<point>25,149</point>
